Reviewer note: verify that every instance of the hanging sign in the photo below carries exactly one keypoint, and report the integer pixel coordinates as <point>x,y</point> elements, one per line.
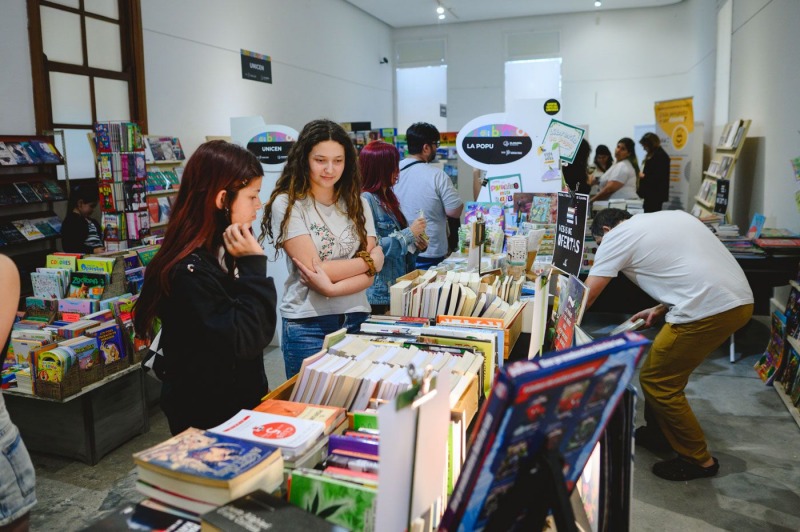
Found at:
<point>256,67</point>
<point>570,230</point>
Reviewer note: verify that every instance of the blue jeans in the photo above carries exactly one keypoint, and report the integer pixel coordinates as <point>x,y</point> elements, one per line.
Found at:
<point>303,337</point>
<point>423,263</point>
<point>17,477</point>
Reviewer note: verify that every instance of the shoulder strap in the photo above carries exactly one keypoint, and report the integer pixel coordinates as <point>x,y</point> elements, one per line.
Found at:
<point>406,167</point>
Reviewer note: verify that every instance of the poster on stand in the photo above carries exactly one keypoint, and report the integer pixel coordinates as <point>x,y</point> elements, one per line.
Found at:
<point>675,128</point>
<point>570,231</point>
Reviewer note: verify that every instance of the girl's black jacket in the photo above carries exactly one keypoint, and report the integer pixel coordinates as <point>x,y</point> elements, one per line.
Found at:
<point>215,329</point>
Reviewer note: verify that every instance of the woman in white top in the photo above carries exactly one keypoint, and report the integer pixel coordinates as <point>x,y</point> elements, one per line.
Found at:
<point>619,182</point>
<point>317,217</point>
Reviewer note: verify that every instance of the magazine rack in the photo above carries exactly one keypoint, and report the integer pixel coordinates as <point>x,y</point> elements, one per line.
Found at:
<point>541,489</point>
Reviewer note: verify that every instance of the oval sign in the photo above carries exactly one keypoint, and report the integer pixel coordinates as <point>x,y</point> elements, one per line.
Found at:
<point>496,144</point>
<point>271,147</point>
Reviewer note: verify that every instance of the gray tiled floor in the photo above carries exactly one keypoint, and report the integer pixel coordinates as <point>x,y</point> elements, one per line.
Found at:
<point>747,426</point>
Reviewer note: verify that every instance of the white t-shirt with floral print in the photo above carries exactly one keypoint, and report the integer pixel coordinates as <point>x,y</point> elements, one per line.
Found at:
<point>335,237</point>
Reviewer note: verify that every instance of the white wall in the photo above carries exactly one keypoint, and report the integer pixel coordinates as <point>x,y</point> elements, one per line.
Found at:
<point>16,86</point>
<point>615,65</point>
<point>765,79</point>
<point>325,63</point>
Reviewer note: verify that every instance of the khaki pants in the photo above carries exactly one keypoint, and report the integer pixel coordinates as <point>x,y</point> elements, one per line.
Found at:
<point>677,350</point>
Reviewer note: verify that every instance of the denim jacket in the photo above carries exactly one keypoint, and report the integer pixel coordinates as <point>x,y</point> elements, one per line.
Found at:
<point>394,242</point>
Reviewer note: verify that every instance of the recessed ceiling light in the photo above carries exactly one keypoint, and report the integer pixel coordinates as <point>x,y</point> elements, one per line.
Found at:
<point>440,10</point>
<point>441,16</point>
<point>597,3</point>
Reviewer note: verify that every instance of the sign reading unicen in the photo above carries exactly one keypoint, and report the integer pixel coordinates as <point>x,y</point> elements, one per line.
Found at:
<point>271,147</point>
<point>496,144</point>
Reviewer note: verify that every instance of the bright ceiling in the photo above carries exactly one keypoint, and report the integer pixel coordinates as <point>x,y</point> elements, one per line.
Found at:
<point>405,13</point>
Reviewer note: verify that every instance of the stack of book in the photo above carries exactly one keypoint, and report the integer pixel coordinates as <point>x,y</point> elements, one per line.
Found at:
<point>358,370</point>
<point>428,294</point>
<point>349,474</point>
<point>197,470</point>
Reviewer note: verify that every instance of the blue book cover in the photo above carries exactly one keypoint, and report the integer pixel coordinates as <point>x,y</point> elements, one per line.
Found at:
<point>197,453</point>
<point>561,402</point>
<point>109,340</point>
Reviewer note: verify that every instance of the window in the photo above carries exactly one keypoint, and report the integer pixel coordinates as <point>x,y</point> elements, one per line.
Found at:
<point>532,79</point>
<point>87,62</point>
<point>420,93</point>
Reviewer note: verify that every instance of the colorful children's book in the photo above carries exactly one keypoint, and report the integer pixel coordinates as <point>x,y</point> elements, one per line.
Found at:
<point>61,261</point>
<point>89,285</point>
<point>134,279</point>
<point>95,264</point>
<point>492,213</point>
<point>86,351</point>
<point>146,253</point>
<point>72,309</point>
<point>27,229</point>
<point>109,341</point>
<point>47,285</point>
<point>52,363</point>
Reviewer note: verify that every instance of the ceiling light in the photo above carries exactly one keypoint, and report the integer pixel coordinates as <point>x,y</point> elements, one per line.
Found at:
<point>597,3</point>
<point>441,16</point>
<point>440,10</point>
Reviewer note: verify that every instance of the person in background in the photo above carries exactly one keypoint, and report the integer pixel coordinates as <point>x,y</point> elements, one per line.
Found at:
<point>576,174</point>
<point>80,233</point>
<point>423,188</point>
<point>602,161</point>
<point>619,182</point>
<point>654,177</point>
<point>17,476</point>
<point>378,163</point>
<point>316,215</point>
<point>703,295</point>
<point>208,285</point>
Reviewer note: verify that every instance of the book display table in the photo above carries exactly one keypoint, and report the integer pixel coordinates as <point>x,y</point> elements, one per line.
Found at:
<point>88,425</point>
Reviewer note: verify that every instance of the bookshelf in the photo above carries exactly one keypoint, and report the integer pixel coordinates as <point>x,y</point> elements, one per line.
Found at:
<point>120,156</point>
<point>720,173</point>
<point>164,158</point>
<point>29,192</point>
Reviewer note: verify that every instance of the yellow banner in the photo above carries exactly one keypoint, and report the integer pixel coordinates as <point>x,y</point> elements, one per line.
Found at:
<point>676,119</point>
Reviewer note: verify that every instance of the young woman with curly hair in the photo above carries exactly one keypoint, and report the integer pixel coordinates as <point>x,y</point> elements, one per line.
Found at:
<point>316,216</point>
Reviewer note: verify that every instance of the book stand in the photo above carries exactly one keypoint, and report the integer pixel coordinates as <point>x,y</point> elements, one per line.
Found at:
<point>539,488</point>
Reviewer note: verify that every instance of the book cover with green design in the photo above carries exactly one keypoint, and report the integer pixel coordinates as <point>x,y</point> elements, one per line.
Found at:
<point>343,503</point>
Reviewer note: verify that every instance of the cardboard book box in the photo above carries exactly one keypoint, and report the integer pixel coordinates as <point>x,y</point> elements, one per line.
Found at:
<point>512,332</point>
<point>465,409</point>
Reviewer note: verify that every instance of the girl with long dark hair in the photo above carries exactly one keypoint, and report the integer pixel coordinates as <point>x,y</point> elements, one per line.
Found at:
<point>619,182</point>
<point>317,217</point>
<point>208,285</point>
